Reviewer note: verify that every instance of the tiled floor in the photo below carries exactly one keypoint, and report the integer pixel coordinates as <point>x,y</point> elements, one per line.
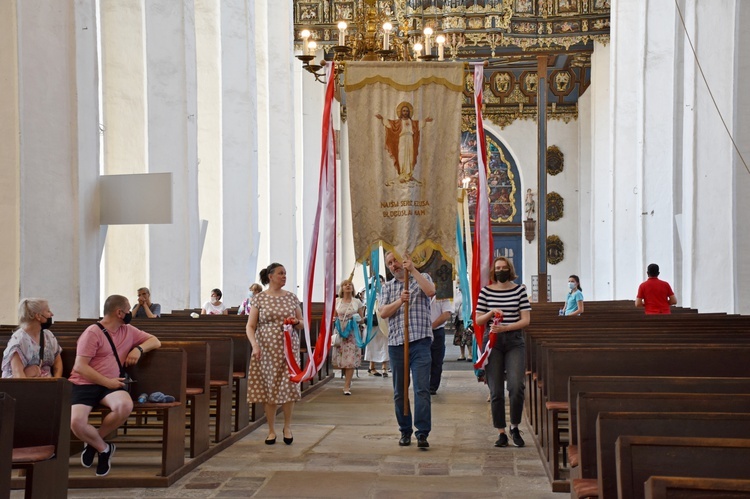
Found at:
<point>348,447</point>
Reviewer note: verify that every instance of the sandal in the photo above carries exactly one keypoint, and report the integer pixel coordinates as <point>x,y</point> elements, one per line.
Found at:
<point>385,374</point>
<point>461,358</point>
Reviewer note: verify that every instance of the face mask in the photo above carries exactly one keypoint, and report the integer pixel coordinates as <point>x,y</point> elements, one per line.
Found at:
<point>128,317</point>
<point>572,285</point>
<point>502,276</point>
<point>47,324</point>
<point>249,295</point>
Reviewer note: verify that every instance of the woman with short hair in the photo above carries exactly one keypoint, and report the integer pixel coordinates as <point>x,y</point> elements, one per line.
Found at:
<point>33,351</point>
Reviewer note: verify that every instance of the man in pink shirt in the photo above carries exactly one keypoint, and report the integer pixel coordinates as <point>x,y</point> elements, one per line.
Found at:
<point>99,378</point>
<point>655,295</point>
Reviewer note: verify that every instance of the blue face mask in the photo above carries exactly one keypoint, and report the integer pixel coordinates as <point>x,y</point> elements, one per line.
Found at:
<point>249,295</point>
<point>572,285</point>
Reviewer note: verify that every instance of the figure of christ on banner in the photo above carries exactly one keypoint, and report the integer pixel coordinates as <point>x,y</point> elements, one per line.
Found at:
<point>402,142</point>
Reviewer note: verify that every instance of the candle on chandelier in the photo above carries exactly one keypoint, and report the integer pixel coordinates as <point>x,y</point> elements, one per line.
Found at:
<point>427,41</point>
<point>387,27</point>
<point>312,47</point>
<point>417,50</point>
<point>305,35</point>
<point>342,33</point>
<point>440,39</point>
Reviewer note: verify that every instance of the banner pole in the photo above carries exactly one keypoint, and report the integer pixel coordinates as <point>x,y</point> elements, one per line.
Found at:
<point>406,348</point>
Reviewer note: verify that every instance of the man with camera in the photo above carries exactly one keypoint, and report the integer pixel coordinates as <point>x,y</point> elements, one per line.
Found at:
<point>104,349</point>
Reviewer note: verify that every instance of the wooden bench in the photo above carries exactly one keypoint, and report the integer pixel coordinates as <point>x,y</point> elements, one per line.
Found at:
<point>639,458</point>
<point>622,360</point>
<point>611,425</point>
<point>676,487</point>
<point>41,434</point>
<point>7,414</point>
<point>197,391</point>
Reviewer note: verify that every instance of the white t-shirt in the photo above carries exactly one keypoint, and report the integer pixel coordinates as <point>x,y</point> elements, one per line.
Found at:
<point>212,309</point>
<point>437,307</point>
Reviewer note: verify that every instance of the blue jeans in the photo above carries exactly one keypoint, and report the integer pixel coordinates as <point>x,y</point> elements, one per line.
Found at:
<point>420,359</point>
<point>437,352</point>
<point>507,362</point>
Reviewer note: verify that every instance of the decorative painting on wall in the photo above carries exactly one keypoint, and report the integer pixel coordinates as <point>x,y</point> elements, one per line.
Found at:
<point>567,6</point>
<point>555,250</point>
<point>523,7</point>
<point>502,178</point>
<point>555,206</point>
<point>555,160</point>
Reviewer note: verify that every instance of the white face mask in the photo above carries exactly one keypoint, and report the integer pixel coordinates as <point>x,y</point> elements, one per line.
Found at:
<point>572,285</point>
<point>249,295</point>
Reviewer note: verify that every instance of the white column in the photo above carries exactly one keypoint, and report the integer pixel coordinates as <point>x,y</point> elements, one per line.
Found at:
<point>58,222</point>
<point>262,57</point>
<point>742,138</point>
<point>311,97</point>
<point>628,40</point>
<point>657,165</point>
<point>210,174</point>
<point>602,242</point>
<point>172,147</point>
<point>282,244</point>
<point>239,124</point>
<point>10,157</point>
<point>714,247</point>
<point>125,135</point>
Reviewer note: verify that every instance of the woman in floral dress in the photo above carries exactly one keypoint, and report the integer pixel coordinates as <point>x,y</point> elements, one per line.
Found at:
<point>268,377</point>
<point>347,355</point>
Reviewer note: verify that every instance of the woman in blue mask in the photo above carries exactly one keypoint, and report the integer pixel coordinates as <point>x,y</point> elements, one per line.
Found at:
<point>574,300</point>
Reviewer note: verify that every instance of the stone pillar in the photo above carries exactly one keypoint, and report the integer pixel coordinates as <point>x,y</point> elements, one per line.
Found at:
<point>52,163</point>
<point>125,134</point>
<point>239,129</point>
<point>741,174</point>
<point>10,157</point>
<point>172,147</point>
<point>210,174</point>
<point>541,115</point>
<point>281,244</point>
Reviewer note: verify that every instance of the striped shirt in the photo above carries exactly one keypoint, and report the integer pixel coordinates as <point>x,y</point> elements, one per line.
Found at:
<point>510,301</point>
<point>420,325</point>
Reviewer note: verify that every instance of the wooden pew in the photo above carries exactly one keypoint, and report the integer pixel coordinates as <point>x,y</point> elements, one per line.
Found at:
<point>7,414</point>
<point>644,384</point>
<point>611,425</point>
<point>41,435</point>
<point>639,458</point>
<point>197,391</point>
<point>675,487</point>
<point>623,360</point>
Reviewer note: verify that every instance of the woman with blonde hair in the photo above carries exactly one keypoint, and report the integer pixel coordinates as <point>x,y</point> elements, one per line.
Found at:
<point>33,351</point>
<point>347,355</point>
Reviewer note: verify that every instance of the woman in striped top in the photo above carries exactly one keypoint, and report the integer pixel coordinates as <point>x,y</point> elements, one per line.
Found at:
<point>505,305</point>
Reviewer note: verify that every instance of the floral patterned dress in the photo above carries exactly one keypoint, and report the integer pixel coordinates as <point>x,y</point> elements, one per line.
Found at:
<point>268,378</point>
<point>347,355</point>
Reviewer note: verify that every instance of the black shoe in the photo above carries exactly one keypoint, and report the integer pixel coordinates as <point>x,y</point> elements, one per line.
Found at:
<point>515,434</point>
<point>405,440</point>
<point>105,461</point>
<point>422,442</point>
<point>433,392</point>
<point>289,440</point>
<point>270,441</point>
<point>502,440</point>
<point>87,456</point>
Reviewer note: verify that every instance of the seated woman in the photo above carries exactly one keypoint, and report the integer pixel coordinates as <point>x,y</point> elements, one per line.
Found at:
<point>33,351</point>
<point>574,300</point>
<point>214,306</point>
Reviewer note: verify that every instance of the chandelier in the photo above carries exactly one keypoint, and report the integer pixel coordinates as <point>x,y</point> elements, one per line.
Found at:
<point>376,30</point>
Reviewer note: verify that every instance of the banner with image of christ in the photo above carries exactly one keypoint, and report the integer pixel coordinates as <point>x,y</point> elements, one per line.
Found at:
<point>404,125</point>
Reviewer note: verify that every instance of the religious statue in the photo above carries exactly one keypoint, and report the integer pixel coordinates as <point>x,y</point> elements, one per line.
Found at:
<point>529,205</point>
<point>402,137</point>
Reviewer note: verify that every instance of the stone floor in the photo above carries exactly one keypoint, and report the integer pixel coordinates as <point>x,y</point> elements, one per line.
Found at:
<point>348,447</point>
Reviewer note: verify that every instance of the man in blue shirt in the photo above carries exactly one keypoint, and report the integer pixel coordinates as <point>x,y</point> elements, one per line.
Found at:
<point>394,294</point>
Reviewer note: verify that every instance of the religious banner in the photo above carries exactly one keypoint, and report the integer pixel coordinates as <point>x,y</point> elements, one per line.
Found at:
<point>404,122</point>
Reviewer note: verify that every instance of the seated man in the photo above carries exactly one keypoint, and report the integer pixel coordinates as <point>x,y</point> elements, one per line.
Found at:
<point>98,378</point>
<point>144,307</point>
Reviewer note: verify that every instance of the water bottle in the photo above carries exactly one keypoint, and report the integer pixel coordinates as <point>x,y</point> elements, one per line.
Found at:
<point>142,398</point>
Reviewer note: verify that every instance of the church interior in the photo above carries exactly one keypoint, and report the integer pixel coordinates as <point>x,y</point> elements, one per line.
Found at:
<point>176,145</point>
